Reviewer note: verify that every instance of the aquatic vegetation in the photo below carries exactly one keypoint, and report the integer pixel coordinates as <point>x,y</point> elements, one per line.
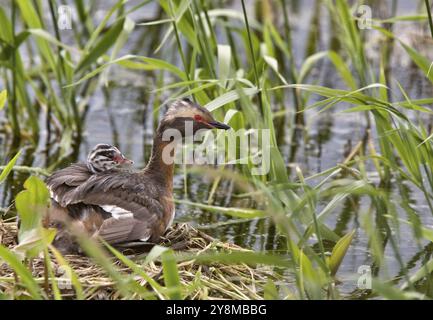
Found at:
<point>242,62</point>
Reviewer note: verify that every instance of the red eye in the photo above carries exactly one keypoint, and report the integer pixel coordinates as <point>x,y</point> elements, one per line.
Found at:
<point>197,117</point>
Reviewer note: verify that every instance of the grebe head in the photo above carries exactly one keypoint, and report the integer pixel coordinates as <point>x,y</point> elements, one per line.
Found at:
<point>183,111</point>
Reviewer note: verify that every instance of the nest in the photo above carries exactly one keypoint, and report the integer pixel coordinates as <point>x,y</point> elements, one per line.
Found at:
<point>216,281</point>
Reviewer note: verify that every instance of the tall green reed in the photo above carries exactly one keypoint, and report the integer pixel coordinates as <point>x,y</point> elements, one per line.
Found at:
<point>243,77</point>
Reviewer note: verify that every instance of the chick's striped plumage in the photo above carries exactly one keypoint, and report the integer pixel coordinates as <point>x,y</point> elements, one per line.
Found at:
<point>104,157</point>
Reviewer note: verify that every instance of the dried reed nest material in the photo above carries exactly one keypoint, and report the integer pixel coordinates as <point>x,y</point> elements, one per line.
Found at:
<point>8,233</point>
<point>216,281</point>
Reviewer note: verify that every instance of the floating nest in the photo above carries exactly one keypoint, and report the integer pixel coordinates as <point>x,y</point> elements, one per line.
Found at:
<point>216,280</point>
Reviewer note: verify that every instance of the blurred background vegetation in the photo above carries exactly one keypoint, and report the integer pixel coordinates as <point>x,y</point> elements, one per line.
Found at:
<point>347,100</point>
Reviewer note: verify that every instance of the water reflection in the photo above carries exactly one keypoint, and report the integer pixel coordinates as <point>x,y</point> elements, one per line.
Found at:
<point>123,115</point>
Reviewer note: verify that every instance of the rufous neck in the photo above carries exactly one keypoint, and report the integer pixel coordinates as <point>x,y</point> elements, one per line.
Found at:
<point>161,163</point>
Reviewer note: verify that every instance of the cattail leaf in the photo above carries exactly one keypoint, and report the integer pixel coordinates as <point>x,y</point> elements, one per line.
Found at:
<point>9,167</point>
<point>224,59</point>
<point>101,46</point>
<point>229,97</point>
<point>234,212</point>
<point>22,272</point>
<point>339,251</point>
<point>171,275</point>
<point>3,98</point>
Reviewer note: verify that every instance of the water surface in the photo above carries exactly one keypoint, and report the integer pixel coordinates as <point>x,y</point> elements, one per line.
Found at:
<point>123,115</point>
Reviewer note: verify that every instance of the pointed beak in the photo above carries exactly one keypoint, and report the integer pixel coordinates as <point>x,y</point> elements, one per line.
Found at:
<point>127,161</point>
<point>219,125</point>
<point>123,160</point>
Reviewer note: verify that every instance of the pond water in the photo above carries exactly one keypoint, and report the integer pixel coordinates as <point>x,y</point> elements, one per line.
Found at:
<point>122,115</point>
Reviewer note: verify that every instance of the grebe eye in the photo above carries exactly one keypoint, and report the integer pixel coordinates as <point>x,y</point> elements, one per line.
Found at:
<point>197,117</point>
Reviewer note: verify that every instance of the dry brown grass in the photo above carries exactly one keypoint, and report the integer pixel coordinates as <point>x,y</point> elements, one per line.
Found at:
<point>216,281</point>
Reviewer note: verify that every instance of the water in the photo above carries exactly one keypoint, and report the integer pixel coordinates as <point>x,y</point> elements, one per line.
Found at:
<point>122,115</point>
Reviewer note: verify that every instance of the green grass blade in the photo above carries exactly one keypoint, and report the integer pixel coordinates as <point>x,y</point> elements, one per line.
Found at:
<point>339,251</point>
<point>3,98</point>
<point>171,275</point>
<point>8,168</point>
<point>101,46</point>
<point>22,272</point>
